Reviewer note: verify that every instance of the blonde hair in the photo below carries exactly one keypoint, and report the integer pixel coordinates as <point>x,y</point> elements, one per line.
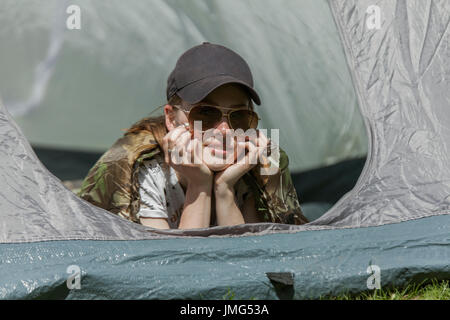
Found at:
<point>155,125</point>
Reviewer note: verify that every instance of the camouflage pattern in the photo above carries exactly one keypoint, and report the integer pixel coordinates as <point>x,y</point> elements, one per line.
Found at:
<point>112,183</point>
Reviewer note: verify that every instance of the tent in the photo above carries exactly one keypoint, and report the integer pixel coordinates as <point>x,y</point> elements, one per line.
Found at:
<point>88,84</point>
<point>396,217</point>
<point>115,69</point>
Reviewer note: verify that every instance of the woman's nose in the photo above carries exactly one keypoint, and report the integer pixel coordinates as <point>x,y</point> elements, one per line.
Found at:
<point>223,125</point>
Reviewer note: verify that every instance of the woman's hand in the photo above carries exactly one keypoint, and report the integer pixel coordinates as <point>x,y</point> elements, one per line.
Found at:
<point>249,152</point>
<point>184,155</point>
<point>248,155</point>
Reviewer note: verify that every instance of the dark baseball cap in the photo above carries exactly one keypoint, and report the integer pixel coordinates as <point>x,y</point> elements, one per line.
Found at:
<point>206,67</point>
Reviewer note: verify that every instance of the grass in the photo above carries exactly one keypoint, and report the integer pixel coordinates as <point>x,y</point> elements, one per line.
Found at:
<point>436,290</point>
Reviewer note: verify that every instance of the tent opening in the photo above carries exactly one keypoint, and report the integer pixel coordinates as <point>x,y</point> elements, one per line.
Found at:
<point>94,86</point>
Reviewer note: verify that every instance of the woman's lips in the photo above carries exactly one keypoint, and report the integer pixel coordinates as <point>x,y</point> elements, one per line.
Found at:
<point>217,149</point>
<point>215,145</point>
<point>219,152</point>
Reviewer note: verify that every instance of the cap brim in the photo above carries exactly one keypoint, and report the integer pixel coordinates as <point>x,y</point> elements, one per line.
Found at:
<point>197,91</point>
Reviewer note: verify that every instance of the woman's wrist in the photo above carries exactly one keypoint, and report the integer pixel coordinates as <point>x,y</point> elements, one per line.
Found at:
<point>197,207</point>
<point>223,190</point>
<point>227,211</point>
<point>200,186</point>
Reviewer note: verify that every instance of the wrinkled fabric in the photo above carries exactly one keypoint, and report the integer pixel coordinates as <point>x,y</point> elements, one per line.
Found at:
<point>304,80</point>
<point>329,262</point>
<point>401,76</point>
<point>113,183</point>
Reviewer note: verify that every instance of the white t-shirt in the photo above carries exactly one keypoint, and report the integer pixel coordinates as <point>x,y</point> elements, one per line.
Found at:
<point>162,195</point>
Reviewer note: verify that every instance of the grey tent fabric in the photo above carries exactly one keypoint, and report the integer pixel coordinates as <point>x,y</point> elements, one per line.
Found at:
<point>401,76</point>
<point>329,262</point>
<point>403,88</point>
<point>117,65</point>
<point>35,206</point>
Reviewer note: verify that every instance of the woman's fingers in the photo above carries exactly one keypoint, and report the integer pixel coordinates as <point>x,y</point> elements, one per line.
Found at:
<point>182,145</point>
<point>242,148</point>
<point>253,154</point>
<point>176,133</point>
<point>248,153</point>
<point>256,154</point>
<point>196,151</point>
<point>186,151</point>
<point>189,151</point>
<point>264,144</point>
<point>169,141</point>
<point>260,140</point>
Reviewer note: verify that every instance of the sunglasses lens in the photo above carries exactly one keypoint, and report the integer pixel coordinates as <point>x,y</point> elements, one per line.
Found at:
<point>244,119</point>
<point>207,115</point>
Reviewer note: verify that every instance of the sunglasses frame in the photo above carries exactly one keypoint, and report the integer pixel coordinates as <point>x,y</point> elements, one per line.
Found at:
<point>220,108</point>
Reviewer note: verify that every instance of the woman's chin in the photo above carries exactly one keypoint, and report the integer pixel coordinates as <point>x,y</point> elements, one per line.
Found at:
<point>216,167</point>
<point>216,164</point>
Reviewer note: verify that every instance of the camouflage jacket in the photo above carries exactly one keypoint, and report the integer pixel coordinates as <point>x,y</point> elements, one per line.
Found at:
<point>113,184</point>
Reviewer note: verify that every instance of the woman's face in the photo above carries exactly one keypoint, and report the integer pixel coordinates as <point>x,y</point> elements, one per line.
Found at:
<point>218,151</point>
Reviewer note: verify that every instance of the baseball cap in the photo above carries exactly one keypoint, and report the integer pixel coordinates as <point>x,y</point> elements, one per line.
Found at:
<point>206,67</point>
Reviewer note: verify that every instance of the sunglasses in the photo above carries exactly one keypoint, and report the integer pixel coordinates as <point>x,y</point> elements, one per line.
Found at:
<point>211,116</point>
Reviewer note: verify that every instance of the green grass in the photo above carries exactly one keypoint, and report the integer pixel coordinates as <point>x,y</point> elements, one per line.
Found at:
<point>436,290</point>
<point>230,295</point>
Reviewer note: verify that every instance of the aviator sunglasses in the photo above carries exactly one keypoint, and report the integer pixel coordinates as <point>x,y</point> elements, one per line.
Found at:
<point>211,116</point>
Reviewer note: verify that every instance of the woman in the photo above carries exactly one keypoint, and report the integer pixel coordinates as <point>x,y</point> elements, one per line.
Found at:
<point>139,179</point>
